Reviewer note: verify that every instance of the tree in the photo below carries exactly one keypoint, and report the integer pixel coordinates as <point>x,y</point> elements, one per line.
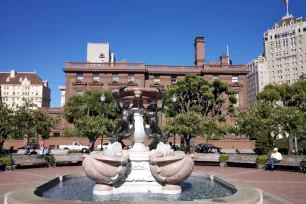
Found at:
<point>288,98</point>
<point>190,125</point>
<point>6,124</point>
<point>292,122</point>
<point>83,110</point>
<point>93,127</point>
<point>196,94</point>
<point>260,122</point>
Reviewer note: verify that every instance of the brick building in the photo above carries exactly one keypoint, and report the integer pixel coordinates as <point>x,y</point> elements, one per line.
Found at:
<point>81,76</point>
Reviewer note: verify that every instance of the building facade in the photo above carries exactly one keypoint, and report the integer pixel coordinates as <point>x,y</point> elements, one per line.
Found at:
<point>17,87</point>
<point>88,75</point>
<point>285,50</point>
<point>258,77</point>
<point>100,53</point>
<point>284,58</point>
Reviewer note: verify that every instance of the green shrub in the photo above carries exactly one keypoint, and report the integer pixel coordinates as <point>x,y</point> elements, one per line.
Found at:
<point>262,159</point>
<point>223,158</point>
<point>6,161</point>
<point>50,160</point>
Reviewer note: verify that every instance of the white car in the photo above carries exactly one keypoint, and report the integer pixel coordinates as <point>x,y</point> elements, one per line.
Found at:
<point>104,145</point>
<point>75,146</point>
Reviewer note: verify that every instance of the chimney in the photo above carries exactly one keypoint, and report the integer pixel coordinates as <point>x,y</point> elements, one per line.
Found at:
<point>12,73</point>
<point>199,49</point>
<point>224,60</point>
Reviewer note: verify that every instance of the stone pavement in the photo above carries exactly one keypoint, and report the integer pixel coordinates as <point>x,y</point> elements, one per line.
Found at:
<point>279,187</point>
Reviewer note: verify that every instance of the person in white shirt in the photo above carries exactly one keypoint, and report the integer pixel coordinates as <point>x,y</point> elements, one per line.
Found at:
<point>276,157</point>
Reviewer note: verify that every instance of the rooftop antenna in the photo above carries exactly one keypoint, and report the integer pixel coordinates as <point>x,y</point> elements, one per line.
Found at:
<point>287,6</point>
<point>227,53</point>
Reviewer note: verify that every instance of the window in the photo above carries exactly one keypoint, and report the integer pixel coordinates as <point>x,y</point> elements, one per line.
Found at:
<point>79,92</point>
<point>215,76</point>
<point>235,78</point>
<point>156,80</point>
<point>115,77</point>
<point>80,76</point>
<point>96,76</point>
<point>173,79</point>
<point>101,55</point>
<point>131,77</point>
<point>13,93</point>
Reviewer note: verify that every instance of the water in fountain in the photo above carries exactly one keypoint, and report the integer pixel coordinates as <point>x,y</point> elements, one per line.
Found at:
<point>195,187</point>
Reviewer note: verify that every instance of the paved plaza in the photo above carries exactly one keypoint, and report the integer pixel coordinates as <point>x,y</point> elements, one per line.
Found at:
<point>279,187</point>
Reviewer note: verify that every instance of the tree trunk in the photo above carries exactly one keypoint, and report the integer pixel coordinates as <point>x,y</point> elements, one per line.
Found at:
<point>187,141</point>
<point>192,145</point>
<point>2,142</point>
<point>290,145</point>
<point>92,144</point>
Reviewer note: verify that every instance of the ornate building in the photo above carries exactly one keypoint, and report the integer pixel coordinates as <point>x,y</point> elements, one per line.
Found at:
<point>19,86</point>
<point>81,76</point>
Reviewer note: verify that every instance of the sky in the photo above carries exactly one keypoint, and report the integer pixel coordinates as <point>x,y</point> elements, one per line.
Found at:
<point>41,36</point>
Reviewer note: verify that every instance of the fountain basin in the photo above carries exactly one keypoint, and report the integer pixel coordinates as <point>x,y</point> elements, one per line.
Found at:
<point>242,193</point>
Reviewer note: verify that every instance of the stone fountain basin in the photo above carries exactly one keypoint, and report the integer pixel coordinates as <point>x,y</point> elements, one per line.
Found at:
<point>30,194</point>
<point>147,93</point>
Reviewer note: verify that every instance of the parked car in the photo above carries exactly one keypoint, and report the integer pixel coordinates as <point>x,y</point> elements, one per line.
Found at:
<point>75,146</point>
<point>207,148</point>
<point>31,148</point>
<point>104,146</point>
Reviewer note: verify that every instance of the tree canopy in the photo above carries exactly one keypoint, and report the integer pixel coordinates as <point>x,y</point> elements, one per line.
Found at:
<point>198,95</point>
<point>24,120</point>
<point>279,111</point>
<point>85,112</point>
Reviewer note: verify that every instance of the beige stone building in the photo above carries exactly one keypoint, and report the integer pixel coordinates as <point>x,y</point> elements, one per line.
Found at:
<point>284,58</point>
<point>16,86</point>
<point>258,77</point>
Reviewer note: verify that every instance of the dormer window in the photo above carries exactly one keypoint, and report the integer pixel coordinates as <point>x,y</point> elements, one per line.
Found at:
<point>156,79</point>
<point>115,77</point>
<point>173,79</point>
<point>131,77</point>
<point>101,55</point>
<point>96,76</point>
<point>79,76</point>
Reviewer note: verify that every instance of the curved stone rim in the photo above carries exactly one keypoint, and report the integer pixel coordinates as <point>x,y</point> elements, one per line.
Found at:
<point>29,194</point>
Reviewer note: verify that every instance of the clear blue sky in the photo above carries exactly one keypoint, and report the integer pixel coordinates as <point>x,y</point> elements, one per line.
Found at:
<point>42,35</point>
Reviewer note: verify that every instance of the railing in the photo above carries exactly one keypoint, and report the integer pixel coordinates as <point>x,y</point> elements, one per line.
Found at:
<point>169,67</point>
<point>88,65</point>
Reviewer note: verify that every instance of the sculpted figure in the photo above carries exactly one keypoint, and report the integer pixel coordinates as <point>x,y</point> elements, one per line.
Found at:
<point>122,129</point>
<point>151,124</point>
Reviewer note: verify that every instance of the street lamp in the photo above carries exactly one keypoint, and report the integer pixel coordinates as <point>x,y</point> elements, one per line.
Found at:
<point>102,99</point>
<point>173,99</point>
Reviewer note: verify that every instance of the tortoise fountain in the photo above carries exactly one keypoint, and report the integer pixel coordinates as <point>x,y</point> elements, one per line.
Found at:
<point>155,168</point>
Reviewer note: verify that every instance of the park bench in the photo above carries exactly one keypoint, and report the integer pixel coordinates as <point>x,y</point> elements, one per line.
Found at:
<point>248,159</point>
<point>245,151</point>
<point>59,151</point>
<point>228,151</point>
<point>290,162</point>
<point>28,160</point>
<point>206,157</point>
<point>67,158</point>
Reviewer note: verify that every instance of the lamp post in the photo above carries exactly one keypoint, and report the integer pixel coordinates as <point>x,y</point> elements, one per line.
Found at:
<point>173,99</point>
<point>102,99</point>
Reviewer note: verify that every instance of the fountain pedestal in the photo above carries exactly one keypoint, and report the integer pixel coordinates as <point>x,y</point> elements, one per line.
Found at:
<point>138,170</point>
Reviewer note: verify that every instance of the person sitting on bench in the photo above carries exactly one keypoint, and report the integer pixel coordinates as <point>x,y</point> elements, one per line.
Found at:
<point>275,157</point>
